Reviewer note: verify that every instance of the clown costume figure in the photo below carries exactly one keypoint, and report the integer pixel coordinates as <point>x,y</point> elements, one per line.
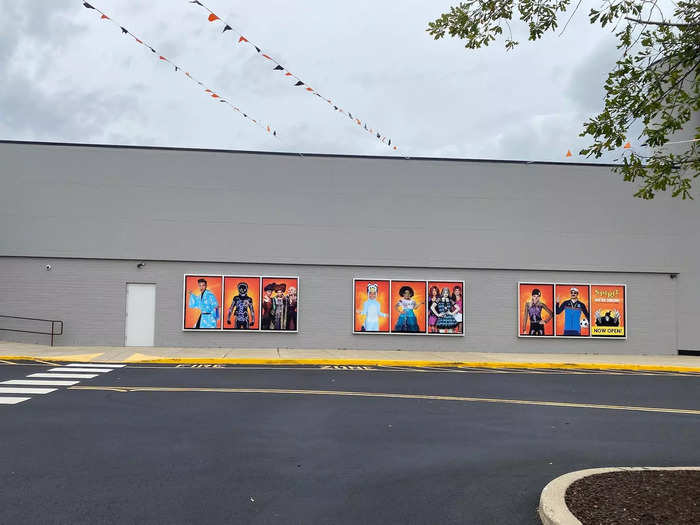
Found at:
<point>371,310</point>
<point>407,321</point>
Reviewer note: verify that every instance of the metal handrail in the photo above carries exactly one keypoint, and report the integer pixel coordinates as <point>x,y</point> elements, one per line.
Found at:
<point>52,333</point>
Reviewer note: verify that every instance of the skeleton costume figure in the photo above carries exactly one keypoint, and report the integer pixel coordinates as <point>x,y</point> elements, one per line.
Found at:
<point>280,307</point>
<point>241,305</point>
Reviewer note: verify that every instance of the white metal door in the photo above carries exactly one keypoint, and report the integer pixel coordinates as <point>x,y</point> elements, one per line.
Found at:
<point>140,314</point>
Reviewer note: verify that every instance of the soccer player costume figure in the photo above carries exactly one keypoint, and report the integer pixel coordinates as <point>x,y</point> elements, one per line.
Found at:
<point>242,307</point>
<point>573,308</point>
<point>533,312</point>
<point>371,310</point>
<point>207,304</point>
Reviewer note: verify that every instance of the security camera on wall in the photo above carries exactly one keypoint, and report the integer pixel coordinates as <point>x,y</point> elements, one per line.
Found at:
<point>48,267</point>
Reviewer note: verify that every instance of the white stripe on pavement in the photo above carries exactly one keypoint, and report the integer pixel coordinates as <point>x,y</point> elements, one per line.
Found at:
<point>65,376</point>
<point>66,369</point>
<point>12,400</point>
<point>100,365</point>
<point>15,390</point>
<point>38,382</point>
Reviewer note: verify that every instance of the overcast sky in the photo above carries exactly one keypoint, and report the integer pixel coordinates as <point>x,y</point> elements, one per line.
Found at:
<point>68,76</point>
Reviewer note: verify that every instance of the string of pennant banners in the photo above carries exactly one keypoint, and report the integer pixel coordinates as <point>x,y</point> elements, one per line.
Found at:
<point>242,39</point>
<point>210,92</point>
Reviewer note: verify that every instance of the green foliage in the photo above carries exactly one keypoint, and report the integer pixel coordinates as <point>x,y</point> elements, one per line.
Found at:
<point>654,83</point>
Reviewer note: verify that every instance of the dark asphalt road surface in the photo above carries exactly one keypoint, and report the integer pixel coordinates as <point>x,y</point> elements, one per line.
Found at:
<point>100,456</point>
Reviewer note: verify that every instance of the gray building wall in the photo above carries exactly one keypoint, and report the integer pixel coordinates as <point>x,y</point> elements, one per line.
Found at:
<point>93,212</point>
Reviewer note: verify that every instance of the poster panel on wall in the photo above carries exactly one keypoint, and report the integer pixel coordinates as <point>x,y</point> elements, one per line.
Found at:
<point>608,310</point>
<point>241,307</point>
<point>445,307</point>
<point>535,309</point>
<point>408,307</point>
<point>279,304</point>
<point>573,317</point>
<point>371,306</point>
<point>202,302</point>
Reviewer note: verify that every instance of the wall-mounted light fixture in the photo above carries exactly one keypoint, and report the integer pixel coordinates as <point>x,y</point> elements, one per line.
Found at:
<point>141,265</point>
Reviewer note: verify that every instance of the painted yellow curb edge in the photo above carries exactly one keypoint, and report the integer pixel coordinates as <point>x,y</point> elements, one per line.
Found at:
<point>388,362</point>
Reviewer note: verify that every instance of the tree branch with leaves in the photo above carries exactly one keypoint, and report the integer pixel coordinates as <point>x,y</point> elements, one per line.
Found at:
<point>654,83</point>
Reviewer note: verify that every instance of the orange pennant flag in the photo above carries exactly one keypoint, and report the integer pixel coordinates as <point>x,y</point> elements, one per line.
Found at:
<point>358,121</point>
<point>628,146</point>
<point>243,39</point>
<point>394,147</point>
<point>215,95</point>
<point>287,74</point>
<point>138,40</point>
<point>266,56</point>
<point>186,73</point>
<point>309,89</point>
<point>104,17</point>
<point>162,57</point>
<point>568,153</point>
<point>208,91</point>
<point>213,17</point>
<point>268,129</point>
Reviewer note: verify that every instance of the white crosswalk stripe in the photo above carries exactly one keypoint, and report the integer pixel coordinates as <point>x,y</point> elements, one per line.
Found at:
<point>20,390</point>
<point>65,376</point>
<point>73,370</point>
<point>53,377</point>
<point>12,400</point>
<point>38,382</point>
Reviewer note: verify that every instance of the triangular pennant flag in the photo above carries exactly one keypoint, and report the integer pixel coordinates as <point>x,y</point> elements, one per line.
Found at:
<point>104,17</point>
<point>627,146</point>
<point>162,57</point>
<point>309,89</point>
<point>300,83</point>
<point>222,100</point>
<point>379,136</point>
<point>139,41</point>
<point>208,91</point>
<point>195,2</point>
<point>358,121</point>
<point>287,74</point>
<point>215,96</point>
<point>389,142</point>
<point>257,49</point>
<point>394,147</point>
<point>227,28</point>
<point>213,17</point>
<point>350,114</point>
<point>246,116</point>
<point>268,129</point>
<point>198,82</point>
<point>124,30</point>
<point>365,126</point>
<point>278,68</point>
<point>335,107</point>
<point>177,68</point>
<point>274,133</point>
<point>568,153</point>
<point>243,39</point>
<point>266,56</point>
<point>88,5</point>
<point>152,50</point>
<point>186,73</point>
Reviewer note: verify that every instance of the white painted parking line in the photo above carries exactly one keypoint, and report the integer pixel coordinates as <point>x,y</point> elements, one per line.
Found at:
<point>38,382</point>
<point>96,365</point>
<point>65,376</point>
<point>12,400</point>
<point>91,370</point>
<point>25,390</point>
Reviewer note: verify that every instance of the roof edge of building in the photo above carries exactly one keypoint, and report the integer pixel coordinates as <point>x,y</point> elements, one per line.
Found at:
<point>300,154</point>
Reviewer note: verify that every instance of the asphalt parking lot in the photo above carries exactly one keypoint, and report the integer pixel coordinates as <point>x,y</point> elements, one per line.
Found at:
<point>168,444</point>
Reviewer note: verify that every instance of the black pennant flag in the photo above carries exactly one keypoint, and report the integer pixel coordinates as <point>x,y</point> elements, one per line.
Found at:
<point>300,83</point>
<point>257,49</point>
<point>124,30</point>
<point>379,136</point>
<point>335,108</point>
<point>88,5</point>
<point>278,68</point>
<point>246,116</point>
<point>195,2</point>
<point>350,114</point>
<point>152,50</point>
<point>227,28</point>
<point>389,142</point>
<point>177,68</point>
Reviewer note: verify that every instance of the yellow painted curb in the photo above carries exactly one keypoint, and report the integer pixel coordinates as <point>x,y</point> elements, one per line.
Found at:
<point>142,358</point>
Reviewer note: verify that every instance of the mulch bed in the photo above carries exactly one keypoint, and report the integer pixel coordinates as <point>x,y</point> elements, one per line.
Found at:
<point>642,497</point>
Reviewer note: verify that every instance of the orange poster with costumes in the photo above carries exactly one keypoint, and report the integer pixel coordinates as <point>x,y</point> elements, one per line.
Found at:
<point>241,308</point>
<point>279,304</point>
<point>608,315</point>
<point>202,302</point>
<point>536,309</point>
<point>572,311</point>
<point>371,306</point>
<point>407,306</point>
<point>445,307</point>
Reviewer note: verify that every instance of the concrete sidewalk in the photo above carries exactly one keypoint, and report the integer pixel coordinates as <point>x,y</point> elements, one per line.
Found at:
<point>282,356</point>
